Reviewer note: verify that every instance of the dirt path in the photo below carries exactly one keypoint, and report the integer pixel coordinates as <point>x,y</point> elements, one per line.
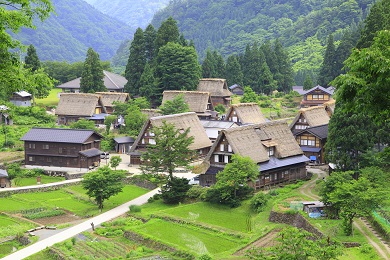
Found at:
<point>383,249</point>
<point>266,241</point>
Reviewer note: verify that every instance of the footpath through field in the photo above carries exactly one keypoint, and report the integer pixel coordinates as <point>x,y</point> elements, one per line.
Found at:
<point>383,249</point>
<point>86,225</point>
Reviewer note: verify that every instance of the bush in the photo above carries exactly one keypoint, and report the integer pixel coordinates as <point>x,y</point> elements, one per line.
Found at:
<point>197,192</point>
<point>258,202</point>
<point>135,208</point>
<point>366,249</point>
<point>273,193</point>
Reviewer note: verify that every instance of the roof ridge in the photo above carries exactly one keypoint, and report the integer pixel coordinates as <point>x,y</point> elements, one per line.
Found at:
<point>106,73</point>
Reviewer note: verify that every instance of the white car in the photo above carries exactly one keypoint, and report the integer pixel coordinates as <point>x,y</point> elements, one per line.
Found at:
<point>194,180</point>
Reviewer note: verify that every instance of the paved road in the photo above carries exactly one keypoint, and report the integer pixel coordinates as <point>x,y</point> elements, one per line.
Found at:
<point>71,232</point>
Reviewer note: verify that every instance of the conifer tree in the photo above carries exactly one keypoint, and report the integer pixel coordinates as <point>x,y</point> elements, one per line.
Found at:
<point>267,84</point>
<point>167,32</point>
<point>148,85</point>
<point>31,61</point>
<point>177,67</point>
<point>308,83</point>
<point>233,71</point>
<point>136,63</point>
<point>208,65</point>
<point>270,57</point>
<point>285,74</point>
<point>344,49</point>
<point>254,62</point>
<point>219,65</point>
<point>150,38</point>
<point>328,70</point>
<point>92,75</point>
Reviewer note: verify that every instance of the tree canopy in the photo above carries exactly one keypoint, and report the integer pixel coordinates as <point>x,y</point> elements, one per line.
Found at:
<point>175,106</point>
<point>92,76</point>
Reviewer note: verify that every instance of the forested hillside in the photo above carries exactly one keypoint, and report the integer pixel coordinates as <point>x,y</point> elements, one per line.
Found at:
<point>76,26</point>
<point>302,26</point>
<point>135,13</point>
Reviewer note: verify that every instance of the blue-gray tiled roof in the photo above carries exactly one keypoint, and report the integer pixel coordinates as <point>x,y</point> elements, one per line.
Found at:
<point>274,162</point>
<point>3,173</point>
<point>91,152</point>
<point>58,135</point>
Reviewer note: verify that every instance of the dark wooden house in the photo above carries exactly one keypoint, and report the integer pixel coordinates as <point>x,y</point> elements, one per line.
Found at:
<point>237,90</point>
<point>198,102</point>
<point>271,145</point>
<point>123,144</point>
<point>309,117</point>
<point>74,106</point>
<point>57,147</point>
<point>317,96</point>
<point>21,99</point>
<point>4,182</point>
<point>218,89</point>
<point>113,82</point>
<point>312,141</point>
<point>245,113</point>
<point>183,121</point>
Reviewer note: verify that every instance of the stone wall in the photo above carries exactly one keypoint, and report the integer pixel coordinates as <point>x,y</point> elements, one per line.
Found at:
<point>8,193</point>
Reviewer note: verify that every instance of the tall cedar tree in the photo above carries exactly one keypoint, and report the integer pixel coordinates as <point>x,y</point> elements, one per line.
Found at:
<point>150,38</point>
<point>267,83</point>
<point>233,73</point>
<point>378,19</point>
<point>328,67</point>
<point>219,65</point>
<point>92,75</point>
<point>167,32</point>
<point>136,63</point>
<point>253,61</point>
<point>170,151</point>
<point>365,87</point>
<point>208,65</point>
<point>270,56</point>
<point>285,74</point>
<point>350,136</point>
<point>148,85</point>
<point>308,83</point>
<point>31,61</point>
<point>177,67</point>
<point>344,49</point>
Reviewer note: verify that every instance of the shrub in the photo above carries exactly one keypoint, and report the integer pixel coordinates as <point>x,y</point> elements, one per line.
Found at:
<point>366,249</point>
<point>205,257</point>
<point>258,202</point>
<point>197,192</point>
<point>135,208</point>
<point>273,193</point>
<point>73,240</point>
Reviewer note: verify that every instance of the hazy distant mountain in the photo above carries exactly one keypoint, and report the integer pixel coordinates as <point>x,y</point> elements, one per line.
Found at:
<point>135,13</point>
<point>74,28</point>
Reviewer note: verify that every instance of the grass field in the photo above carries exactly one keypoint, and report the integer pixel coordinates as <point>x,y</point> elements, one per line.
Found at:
<point>51,100</point>
<point>6,221</point>
<point>20,182</point>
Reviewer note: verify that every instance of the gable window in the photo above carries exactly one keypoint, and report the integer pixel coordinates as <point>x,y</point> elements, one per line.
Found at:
<point>271,151</point>
<point>151,141</point>
<point>45,147</point>
<point>222,147</point>
<point>229,148</point>
<point>31,146</point>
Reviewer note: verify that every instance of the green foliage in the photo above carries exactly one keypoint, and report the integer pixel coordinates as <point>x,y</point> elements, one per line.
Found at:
<point>108,143</point>
<point>175,106</point>
<point>296,244</point>
<point>83,124</point>
<point>259,201</point>
<point>134,120</point>
<point>197,192</point>
<point>102,184</point>
<point>233,70</point>
<point>175,190</point>
<point>328,69</point>
<point>177,67</point>
<point>167,32</point>
<point>115,161</point>
<point>135,208</point>
<point>31,61</point>
<point>249,96</point>
<point>232,183</point>
<point>308,83</point>
<point>108,121</point>
<point>92,76</point>
<point>220,108</point>
<point>170,151</point>
<point>148,84</point>
<point>44,214</point>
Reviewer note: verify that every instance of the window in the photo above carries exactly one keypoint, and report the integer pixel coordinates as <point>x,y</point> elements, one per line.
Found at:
<point>151,141</point>
<point>234,119</point>
<point>321,97</point>
<point>143,141</point>
<point>30,158</point>
<point>216,158</point>
<point>271,151</point>
<point>222,147</point>
<point>31,146</point>
<point>46,146</point>
<point>60,150</point>
<point>315,96</point>
<point>229,148</point>
<point>220,158</point>
<point>151,134</point>
<point>226,159</point>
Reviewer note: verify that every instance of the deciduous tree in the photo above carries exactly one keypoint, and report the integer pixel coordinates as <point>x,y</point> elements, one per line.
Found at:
<point>102,184</point>
<point>115,161</point>
<point>175,106</point>
<point>170,151</point>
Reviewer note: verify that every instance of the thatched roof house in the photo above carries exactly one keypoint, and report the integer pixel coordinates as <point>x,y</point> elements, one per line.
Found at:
<point>183,121</point>
<point>112,81</point>
<point>218,89</point>
<point>271,145</point>
<point>151,112</point>
<point>198,101</point>
<point>108,98</point>
<point>73,106</point>
<point>309,117</point>
<point>245,113</point>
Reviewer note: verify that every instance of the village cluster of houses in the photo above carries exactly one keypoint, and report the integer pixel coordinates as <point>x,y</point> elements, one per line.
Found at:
<point>280,150</point>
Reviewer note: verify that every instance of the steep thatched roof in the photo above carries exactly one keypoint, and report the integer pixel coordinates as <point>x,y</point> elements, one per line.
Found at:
<point>180,121</point>
<point>108,98</point>
<point>253,141</point>
<point>151,112</point>
<point>197,101</point>
<point>111,80</point>
<point>78,104</point>
<point>330,105</point>
<point>216,87</point>
<point>314,116</point>
<point>247,113</point>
